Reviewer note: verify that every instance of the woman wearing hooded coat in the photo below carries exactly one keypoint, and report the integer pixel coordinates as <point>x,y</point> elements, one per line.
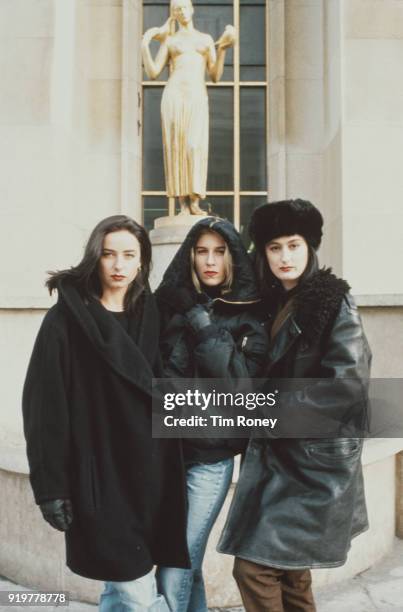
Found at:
<point>299,502</point>
<point>94,469</point>
<point>209,330</point>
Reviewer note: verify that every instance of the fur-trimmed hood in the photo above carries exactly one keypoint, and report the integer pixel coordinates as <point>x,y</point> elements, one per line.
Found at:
<point>178,274</point>
<point>317,301</point>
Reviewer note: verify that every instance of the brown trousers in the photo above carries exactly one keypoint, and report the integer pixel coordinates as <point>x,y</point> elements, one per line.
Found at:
<point>266,589</point>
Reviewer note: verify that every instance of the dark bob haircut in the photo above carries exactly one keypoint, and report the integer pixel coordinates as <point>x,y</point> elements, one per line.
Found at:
<point>85,276</point>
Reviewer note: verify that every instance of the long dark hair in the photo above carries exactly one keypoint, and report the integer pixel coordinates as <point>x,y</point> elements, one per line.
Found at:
<point>85,275</point>
<point>268,283</point>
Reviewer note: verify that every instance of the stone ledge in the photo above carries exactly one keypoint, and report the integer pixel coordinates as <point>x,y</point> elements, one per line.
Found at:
<point>26,302</point>
<point>380,448</point>
<point>13,458</point>
<point>381,300</point>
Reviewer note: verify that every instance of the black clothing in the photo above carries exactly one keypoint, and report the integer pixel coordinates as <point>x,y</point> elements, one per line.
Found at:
<point>216,338</point>
<point>122,318</point>
<point>300,501</point>
<point>87,420</point>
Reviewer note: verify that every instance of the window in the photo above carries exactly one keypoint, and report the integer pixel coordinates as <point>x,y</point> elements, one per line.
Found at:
<point>237,173</point>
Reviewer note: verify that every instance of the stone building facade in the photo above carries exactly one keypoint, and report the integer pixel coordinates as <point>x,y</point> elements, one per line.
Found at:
<point>71,153</point>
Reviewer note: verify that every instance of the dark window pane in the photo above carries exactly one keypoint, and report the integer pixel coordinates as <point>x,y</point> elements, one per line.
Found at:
<point>155,16</point>
<point>248,205</point>
<point>212,20</point>
<point>220,206</point>
<point>252,43</point>
<point>252,2</point>
<point>153,162</point>
<point>252,73</point>
<point>213,2</point>
<point>221,139</point>
<point>253,139</point>
<point>154,207</point>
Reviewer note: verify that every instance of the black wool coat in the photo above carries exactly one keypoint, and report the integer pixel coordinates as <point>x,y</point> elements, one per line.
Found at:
<point>233,347</point>
<point>87,421</point>
<point>299,502</point>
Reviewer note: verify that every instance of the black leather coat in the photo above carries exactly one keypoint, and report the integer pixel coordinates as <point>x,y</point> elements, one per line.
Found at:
<point>298,503</point>
<point>233,346</point>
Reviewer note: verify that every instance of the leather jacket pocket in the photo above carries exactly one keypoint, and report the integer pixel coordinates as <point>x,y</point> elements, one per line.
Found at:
<point>340,448</point>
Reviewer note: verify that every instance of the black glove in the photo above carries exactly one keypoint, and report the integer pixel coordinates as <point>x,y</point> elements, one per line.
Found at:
<point>198,317</point>
<point>58,513</point>
<point>181,299</point>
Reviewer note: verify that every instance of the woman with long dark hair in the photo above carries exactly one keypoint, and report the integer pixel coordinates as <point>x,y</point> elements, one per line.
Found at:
<point>299,502</point>
<point>209,330</point>
<point>95,471</point>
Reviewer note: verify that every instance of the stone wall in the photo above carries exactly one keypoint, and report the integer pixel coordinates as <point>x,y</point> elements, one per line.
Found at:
<point>70,152</point>
<point>372,137</point>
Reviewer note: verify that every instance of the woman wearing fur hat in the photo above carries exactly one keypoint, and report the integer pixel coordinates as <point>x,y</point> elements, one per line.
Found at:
<point>207,298</point>
<point>299,502</point>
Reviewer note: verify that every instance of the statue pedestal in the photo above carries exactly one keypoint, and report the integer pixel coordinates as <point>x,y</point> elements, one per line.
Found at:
<point>166,238</point>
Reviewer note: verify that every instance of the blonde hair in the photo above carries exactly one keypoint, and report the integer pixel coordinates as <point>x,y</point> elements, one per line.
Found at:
<point>228,266</point>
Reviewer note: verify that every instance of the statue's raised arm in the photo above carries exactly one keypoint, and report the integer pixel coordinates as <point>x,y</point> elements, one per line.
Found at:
<point>152,67</point>
<point>184,105</point>
<point>215,64</point>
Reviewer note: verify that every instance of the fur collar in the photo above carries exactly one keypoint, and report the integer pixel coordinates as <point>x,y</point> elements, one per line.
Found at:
<point>317,302</point>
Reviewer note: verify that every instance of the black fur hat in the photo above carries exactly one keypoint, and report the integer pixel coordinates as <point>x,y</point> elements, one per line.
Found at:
<point>286,218</point>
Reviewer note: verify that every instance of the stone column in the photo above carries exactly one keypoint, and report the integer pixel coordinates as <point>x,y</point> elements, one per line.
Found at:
<point>304,149</point>
<point>372,137</point>
<point>131,109</point>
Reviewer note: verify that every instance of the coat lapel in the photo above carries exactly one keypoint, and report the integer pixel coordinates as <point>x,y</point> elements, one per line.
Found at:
<point>150,329</point>
<point>283,340</point>
<point>111,341</point>
<point>314,305</point>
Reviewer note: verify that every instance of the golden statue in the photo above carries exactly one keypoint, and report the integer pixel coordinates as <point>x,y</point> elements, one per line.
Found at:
<point>184,105</point>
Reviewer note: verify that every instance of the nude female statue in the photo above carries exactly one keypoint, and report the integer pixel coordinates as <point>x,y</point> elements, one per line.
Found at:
<point>184,104</point>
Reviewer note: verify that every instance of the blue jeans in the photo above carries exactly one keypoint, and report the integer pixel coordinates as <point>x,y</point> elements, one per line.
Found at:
<point>207,487</point>
<point>138,595</point>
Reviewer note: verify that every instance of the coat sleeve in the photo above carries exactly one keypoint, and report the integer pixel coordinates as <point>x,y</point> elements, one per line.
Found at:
<point>214,351</point>
<point>337,400</point>
<point>46,411</point>
<point>219,353</point>
<point>347,353</point>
